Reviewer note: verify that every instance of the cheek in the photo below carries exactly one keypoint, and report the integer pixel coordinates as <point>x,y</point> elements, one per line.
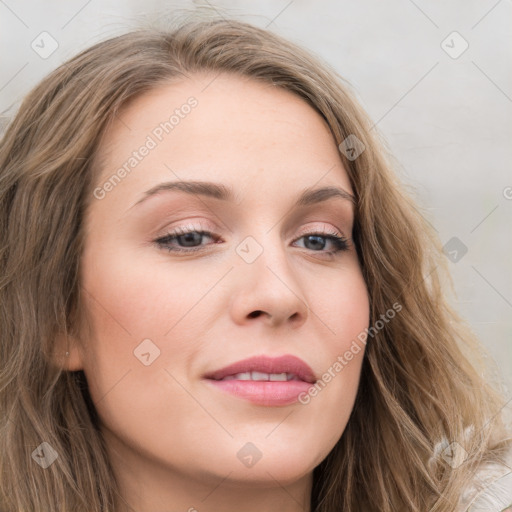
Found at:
<point>142,344</point>
<point>140,326</point>
<point>135,297</point>
<point>343,307</point>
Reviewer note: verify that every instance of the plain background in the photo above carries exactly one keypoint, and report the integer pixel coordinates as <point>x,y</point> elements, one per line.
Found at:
<point>446,113</point>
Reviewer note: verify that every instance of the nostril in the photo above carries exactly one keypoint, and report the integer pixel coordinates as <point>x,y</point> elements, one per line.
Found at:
<point>254,314</point>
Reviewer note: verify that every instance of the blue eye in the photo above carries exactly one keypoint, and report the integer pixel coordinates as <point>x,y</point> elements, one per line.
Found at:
<point>189,240</point>
<point>319,241</point>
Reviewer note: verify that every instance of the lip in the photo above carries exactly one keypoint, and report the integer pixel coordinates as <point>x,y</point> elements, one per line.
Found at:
<point>268,393</point>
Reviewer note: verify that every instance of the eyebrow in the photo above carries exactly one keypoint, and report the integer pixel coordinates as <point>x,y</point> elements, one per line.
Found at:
<point>219,191</point>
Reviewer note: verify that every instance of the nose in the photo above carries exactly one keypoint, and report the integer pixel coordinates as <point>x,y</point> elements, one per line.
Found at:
<point>268,290</point>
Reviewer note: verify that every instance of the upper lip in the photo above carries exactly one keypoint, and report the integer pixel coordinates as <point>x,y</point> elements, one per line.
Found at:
<point>266,364</point>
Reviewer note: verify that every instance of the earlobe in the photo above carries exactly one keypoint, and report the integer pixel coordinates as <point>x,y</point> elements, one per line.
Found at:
<point>73,360</point>
<point>67,353</point>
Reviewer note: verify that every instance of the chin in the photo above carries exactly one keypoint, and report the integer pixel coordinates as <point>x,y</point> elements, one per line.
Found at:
<point>273,472</point>
<point>267,461</point>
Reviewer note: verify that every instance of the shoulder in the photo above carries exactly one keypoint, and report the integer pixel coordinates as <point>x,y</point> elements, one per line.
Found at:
<point>491,489</point>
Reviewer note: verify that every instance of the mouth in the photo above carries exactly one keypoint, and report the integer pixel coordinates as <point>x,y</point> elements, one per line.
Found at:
<point>262,376</point>
<point>263,380</point>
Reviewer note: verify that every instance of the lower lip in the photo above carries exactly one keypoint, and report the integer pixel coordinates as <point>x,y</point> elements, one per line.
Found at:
<point>269,393</point>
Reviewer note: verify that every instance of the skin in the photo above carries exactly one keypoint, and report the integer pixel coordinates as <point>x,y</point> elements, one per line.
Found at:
<point>172,438</point>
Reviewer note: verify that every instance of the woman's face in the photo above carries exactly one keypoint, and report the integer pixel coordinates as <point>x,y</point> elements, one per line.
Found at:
<point>267,278</point>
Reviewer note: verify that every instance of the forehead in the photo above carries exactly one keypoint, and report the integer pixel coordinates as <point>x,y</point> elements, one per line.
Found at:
<point>222,127</point>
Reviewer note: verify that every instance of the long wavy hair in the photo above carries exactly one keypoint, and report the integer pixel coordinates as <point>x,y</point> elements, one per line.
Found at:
<point>419,393</point>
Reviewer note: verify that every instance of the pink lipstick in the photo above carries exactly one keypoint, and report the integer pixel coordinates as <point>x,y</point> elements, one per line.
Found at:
<point>263,380</point>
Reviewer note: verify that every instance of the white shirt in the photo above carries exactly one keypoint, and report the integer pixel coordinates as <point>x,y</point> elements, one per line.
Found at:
<point>491,490</point>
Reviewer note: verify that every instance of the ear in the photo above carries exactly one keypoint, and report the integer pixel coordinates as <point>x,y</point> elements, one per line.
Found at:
<point>67,353</point>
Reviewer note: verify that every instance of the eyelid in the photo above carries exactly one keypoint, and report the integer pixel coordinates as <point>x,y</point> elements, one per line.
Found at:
<point>186,226</point>
<point>326,228</point>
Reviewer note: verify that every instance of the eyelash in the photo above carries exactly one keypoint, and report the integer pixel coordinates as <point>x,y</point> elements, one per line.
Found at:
<point>340,243</point>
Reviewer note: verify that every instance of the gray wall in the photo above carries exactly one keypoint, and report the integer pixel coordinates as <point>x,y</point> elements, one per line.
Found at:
<point>445,112</point>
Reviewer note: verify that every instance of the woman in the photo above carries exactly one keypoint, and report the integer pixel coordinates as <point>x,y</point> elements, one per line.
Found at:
<point>216,295</point>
